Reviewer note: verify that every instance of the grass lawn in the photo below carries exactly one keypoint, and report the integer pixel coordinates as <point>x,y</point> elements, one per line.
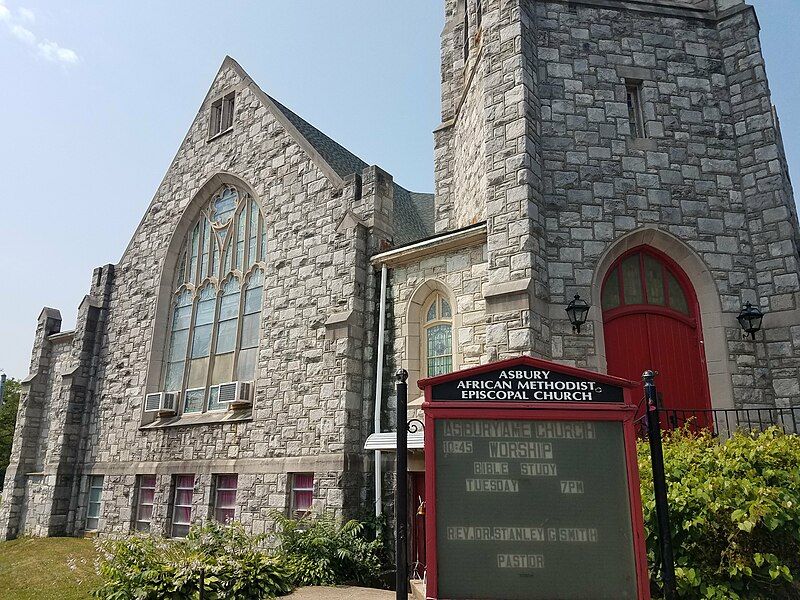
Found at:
<point>47,569</point>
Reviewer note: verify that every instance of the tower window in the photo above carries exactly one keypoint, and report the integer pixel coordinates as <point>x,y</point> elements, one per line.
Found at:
<point>635,115</point>
<point>221,115</point>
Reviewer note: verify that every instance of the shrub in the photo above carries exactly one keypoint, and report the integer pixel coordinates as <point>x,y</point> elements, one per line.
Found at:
<point>324,551</point>
<point>735,514</point>
<point>231,564</point>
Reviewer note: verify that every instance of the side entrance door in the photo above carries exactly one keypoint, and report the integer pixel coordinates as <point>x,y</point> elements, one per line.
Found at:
<point>651,320</point>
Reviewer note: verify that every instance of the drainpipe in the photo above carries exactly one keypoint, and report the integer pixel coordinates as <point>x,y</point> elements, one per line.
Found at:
<point>379,388</point>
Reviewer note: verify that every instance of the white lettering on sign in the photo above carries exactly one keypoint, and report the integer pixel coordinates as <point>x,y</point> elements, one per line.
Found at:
<point>566,431</point>
<point>538,469</point>
<point>457,447</point>
<point>530,386</point>
<point>497,534</point>
<point>582,535</point>
<point>520,561</point>
<point>491,468</point>
<point>505,486</point>
<point>571,487</point>
<point>540,450</point>
<point>491,429</point>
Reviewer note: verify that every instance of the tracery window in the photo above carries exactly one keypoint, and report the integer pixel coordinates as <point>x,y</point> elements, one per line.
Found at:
<point>438,336</point>
<point>642,278</point>
<point>216,310</point>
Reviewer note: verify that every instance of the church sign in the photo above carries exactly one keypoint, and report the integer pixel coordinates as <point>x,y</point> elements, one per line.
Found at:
<point>532,484</point>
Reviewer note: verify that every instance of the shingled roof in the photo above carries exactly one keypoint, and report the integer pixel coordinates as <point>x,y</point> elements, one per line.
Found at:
<point>413,211</point>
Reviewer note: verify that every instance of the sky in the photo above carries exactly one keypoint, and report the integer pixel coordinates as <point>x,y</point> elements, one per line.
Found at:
<point>95,98</point>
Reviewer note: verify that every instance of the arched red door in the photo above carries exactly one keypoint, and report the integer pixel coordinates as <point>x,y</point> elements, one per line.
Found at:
<point>651,321</point>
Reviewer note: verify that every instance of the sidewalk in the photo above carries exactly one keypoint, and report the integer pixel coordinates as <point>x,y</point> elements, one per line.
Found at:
<point>340,593</point>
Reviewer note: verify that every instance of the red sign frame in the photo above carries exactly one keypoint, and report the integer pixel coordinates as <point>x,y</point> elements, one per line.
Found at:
<point>624,413</point>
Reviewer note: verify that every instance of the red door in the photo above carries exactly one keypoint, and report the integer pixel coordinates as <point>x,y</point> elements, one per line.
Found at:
<point>651,321</point>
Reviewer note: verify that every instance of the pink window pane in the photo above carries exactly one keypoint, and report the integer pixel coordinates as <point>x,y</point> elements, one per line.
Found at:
<point>302,500</point>
<point>227,482</point>
<point>145,512</point>
<point>184,481</point>
<point>304,482</point>
<point>183,514</point>
<point>226,499</point>
<point>183,497</point>
<point>146,496</point>
<point>148,481</point>
<point>224,515</point>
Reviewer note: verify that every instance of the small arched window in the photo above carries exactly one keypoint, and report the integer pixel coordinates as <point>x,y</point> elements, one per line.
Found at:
<point>642,278</point>
<point>216,314</point>
<point>438,336</point>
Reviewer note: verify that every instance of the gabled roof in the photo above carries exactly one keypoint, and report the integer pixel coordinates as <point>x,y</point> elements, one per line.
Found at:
<point>413,211</point>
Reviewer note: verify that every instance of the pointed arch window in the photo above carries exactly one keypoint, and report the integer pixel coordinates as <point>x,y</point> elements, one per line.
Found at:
<point>438,336</point>
<point>643,278</point>
<point>216,315</point>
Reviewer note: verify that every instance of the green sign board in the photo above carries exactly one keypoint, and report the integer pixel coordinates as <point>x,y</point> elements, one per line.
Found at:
<point>530,509</point>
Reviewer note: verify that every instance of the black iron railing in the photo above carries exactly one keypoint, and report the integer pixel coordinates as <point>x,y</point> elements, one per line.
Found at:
<point>724,422</point>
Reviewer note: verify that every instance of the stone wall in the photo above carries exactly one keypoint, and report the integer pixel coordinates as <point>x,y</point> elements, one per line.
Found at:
<point>569,188</point>
<point>309,399</point>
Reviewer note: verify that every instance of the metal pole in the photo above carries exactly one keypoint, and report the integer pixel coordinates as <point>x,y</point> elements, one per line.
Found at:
<point>379,390</point>
<point>401,490</point>
<point>660,486</point>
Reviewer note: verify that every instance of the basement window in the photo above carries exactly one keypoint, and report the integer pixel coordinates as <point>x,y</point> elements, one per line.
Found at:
<point>301,494</point>
<point>183,494</point>
<point>222,115</point>
<point>635,113</point>
<point>95,502</point>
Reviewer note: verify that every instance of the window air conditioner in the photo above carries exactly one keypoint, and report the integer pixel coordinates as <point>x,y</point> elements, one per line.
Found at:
<point>236,394</point>
<point>162,402</point>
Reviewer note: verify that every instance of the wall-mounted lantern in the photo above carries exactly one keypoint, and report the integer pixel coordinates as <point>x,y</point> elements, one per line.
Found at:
<point>577,311</point>
<point>750,319</point>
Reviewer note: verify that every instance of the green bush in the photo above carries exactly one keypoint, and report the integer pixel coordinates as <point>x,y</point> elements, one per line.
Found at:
<point>231,564</point>
<point>324,551</point>
<point>735,514</point>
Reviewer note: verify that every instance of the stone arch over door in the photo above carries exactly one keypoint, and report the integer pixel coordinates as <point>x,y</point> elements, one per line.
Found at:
<point>165,289</point>
<point>710,308</point>
<point>412,332</point>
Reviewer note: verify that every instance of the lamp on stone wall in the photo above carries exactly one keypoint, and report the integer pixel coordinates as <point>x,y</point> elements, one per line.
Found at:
<point>750,319</point>
<point>577,311</point>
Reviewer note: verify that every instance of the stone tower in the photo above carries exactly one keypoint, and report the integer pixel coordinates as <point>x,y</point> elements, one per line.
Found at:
<point>536,140</point>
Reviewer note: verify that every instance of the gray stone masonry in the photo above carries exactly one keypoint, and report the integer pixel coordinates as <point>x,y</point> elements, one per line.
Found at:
<point>564,188</point>
<point>81,411</point>
<point>540,187</point>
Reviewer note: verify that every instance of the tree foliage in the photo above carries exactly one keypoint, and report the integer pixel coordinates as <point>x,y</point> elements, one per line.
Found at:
<point>8,419</point>
<point>735,514</point>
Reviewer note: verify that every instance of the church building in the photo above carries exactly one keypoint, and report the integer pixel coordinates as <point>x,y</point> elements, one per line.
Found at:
<point>621,153</point>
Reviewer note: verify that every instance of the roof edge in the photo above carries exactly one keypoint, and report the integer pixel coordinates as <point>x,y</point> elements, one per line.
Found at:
<point>298,137</point>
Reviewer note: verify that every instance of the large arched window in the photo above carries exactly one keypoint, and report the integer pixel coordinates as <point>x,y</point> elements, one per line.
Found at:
<point>216,313</point>
<point>437,336</point>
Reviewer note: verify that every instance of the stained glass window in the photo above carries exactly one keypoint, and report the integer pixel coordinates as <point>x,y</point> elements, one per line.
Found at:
<point>215,319</point>
<point>643,278</point>
<point>438,336</point>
